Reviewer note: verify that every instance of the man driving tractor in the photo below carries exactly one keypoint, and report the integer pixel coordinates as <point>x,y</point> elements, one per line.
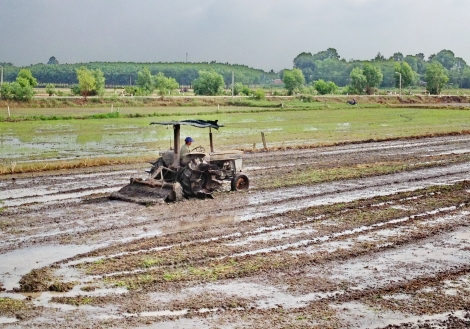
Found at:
<point>185,148</point>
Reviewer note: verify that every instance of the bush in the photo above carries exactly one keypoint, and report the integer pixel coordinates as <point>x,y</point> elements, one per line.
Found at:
<point>324,88</point>
<point>75,90</point>
<point>50,89</point>
<point>259,94</point>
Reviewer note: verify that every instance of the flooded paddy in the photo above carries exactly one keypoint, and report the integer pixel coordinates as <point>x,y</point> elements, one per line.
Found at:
<point>388,250</point>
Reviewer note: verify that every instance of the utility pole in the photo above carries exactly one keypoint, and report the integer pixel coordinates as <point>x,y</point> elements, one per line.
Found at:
<point>1,76</point>
<point>233,83</point>
<point>400,80</point>
<point>186,57</point>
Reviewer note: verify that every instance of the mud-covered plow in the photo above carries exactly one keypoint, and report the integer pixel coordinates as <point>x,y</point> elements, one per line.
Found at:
<point>197,174</point>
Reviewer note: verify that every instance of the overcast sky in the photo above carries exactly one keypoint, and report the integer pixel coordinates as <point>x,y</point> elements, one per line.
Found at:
<point>264,34</point>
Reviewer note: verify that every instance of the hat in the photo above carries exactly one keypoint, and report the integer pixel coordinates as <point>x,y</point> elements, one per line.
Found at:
<point>188,139</point>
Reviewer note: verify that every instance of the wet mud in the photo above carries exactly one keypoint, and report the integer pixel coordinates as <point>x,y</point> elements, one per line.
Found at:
<point>365,248</point>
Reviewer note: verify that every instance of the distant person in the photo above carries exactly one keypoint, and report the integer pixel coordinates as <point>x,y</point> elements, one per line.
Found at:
<point>185,148</point>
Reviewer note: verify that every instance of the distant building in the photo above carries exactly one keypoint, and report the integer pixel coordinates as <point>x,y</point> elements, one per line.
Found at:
<point>277,82</point>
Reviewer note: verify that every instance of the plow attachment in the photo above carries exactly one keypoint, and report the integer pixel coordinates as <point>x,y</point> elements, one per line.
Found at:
<point>149,191</point>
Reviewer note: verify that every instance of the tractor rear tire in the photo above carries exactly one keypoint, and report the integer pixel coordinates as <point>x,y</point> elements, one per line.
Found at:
<point>240,182</point>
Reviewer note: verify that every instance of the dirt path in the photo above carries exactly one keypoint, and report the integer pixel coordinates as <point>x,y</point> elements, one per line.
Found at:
<point>371,252</point>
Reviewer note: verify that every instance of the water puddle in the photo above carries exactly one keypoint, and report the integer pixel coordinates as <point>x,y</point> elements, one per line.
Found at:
<point>263,296</point>
<point>58,196</point>
<point>274,235</point>
<point>363,316</point>
<point>406,263</point>
<point>5,320</point>
<point>15,264</point>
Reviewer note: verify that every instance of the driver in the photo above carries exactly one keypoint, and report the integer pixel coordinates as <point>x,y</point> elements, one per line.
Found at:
<point>185,148</point>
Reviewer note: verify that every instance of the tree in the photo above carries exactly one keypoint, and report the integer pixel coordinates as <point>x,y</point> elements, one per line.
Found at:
<point>52,60</point>
<point>465,78</point>
<point>306,63</point>
<point>324,88</point>
<point>99,82</point>
<point>22,88</point>
<point>90,82</point>
<point>407,75</point>
<point>240,89</point>
<point>397,57</point>
<point>6,91</point>
<point>86,81</point>
<point>436,78</point>
<point>379,57</point>
<point>164,84</point>
<point>293,80</point>
<point>358,81</point>
<point>420,56</point>
<point>208,83</point>
<point>445,57</point>
<point>412,62</point>
<point>145,81</point>
<point>325,54</point>
<point>373,76</point>
<point>28,77</point>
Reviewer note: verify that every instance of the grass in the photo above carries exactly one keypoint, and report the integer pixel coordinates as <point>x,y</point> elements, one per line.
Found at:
<point>75,301</point>
<point>70,164</point>
<point>8,305</point>
<point>150,262</point>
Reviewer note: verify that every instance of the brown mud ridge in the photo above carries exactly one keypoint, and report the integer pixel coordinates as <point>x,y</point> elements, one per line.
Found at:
<point>368,235</point>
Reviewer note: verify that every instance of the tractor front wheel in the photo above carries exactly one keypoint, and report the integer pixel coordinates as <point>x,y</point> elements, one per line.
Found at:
<point>240,182</point>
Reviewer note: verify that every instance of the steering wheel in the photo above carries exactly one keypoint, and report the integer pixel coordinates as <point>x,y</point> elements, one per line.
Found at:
<point>198,149</point>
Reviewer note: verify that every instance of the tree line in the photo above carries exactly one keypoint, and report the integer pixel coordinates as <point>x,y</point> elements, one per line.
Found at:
<point>126,73</point>
<point>329,66</point>
<point>320,73</point>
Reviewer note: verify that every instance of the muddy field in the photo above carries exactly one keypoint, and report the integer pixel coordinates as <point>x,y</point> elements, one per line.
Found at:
<point>381,250</point>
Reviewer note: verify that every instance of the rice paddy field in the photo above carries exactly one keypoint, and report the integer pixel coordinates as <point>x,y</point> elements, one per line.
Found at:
<point>56,134</point>
<point>355,217</point>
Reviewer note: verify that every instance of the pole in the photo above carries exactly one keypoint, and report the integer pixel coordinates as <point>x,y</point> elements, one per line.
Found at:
<point>210,140</point>
<point>1,76</point>
<point>264,140</point>
<point>176,145</point>
<point>233,81</point>
<point>400,81</point>
<point>400,84</point>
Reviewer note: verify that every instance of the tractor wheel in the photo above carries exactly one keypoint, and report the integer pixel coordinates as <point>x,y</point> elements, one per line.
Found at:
<point>240,182</point>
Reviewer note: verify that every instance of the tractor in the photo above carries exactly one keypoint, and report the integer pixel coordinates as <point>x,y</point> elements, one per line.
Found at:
<point>198,174</point>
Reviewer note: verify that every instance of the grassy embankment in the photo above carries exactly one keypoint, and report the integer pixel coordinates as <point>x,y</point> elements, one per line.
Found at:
<point>63,138</point>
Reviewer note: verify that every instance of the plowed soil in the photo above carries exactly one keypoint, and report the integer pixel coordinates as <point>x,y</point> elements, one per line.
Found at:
<point>377,237</point>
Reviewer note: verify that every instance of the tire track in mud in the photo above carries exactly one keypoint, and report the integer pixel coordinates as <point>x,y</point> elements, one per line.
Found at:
<point>255,205</point>
<point>17,191</point>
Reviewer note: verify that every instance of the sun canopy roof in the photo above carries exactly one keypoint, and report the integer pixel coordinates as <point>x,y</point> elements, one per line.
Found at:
<point>194,123</point>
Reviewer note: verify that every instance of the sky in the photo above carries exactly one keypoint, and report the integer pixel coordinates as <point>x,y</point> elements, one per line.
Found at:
<point>263,34</point>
